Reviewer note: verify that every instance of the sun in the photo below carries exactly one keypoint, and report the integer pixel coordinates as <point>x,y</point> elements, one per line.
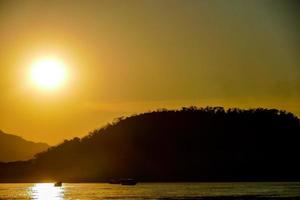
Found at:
<point>48,73</point>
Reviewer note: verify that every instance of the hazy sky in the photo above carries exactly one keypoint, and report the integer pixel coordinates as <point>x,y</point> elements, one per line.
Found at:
<point>127,57</point>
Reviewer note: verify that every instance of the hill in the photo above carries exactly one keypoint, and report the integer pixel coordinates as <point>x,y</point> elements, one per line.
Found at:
<point>191,144</point>
<point>13,148</point>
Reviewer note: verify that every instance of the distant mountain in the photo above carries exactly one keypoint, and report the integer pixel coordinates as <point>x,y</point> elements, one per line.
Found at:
<point>14,148</point>
<point>191,144</point>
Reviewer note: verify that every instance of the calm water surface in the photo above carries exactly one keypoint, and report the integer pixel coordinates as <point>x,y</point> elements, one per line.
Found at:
<point>211,191</point>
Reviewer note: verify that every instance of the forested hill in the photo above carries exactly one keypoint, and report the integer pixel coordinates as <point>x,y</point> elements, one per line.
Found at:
<point>13,148</point>
<point>191,144</point>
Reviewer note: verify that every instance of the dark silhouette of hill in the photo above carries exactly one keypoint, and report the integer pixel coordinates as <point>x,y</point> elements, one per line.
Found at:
<point>13,148</point>
<point>191,144</point>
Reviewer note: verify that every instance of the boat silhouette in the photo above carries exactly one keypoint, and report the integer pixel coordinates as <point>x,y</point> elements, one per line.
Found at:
<point>128,181</point>
<point>58,184</point>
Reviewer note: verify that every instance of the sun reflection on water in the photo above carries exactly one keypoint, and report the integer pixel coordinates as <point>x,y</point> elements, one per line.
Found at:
<point>46,191</point>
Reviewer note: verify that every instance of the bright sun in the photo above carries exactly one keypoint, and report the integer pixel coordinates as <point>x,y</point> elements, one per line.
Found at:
<point>48,73</point>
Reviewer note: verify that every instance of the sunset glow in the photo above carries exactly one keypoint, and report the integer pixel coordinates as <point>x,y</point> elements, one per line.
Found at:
<point>150,99</point>
<point>48,73</point>
<point>70,67</point>
<point>46,191</point>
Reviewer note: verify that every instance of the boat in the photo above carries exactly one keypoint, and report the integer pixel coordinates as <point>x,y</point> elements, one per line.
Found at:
<point>114,181</point>
<point>128,181</point>
<point>58,184</point>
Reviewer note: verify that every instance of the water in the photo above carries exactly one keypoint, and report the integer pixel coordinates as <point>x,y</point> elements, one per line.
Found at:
<point>211,191</point>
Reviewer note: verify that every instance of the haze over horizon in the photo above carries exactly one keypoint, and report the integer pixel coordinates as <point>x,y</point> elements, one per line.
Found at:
<point>124,58</point>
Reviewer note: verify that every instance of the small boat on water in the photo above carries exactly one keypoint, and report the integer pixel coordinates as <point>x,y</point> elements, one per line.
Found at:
<point>114,181</point>
<point>58,184</point>
<point>128,181</point>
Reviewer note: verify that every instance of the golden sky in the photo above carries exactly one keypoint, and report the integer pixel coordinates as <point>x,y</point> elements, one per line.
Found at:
<point>126,57</point>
